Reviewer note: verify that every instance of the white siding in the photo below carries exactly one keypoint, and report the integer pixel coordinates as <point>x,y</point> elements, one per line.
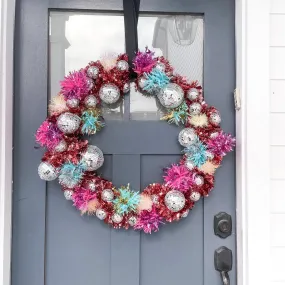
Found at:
<point>277,140</point>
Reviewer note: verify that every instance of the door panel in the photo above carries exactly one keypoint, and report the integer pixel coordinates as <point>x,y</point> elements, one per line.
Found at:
<point>52,243</point>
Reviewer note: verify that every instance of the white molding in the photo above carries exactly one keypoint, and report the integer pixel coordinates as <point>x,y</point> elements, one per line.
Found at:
<point>253,152</point>
<point>7,12</point>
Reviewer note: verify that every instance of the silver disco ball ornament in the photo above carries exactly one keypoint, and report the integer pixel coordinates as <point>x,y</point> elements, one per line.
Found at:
<point>101,214</point>
<point>142,82</point>
<point>92,186</point>
<point>93,72</point>
<point>209,154</point>
<point>109,93</point>
<point>68,123</point>
<point>47,171</point>
<point>189,165</point>
<point>61,146</point>
<point>132,221</point>
<point>68,194</point>
<point>192,94</point>
<point>116,218</point>
<point>195,108</point>
<point>199,180</point>
<point>90,83</point>
<point>185,214</point>
<point>187,137</point>
<point>93,158</point>
<point>72,103</point>
<point>174,200</point>
<point>214,135</point>
<point>126,87</point>
<point>215,118</point>
<point>90,101</point>
<point>160,66</point>
<point>107,195</point>
<point>195,196</point>
<point>122,65</point>
<point>154,199</point>
<point>171,96</point>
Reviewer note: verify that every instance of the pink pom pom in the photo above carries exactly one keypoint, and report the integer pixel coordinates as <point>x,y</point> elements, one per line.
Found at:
<point>75,85</point>
<point>221,144</point>
<point>144,61</point>
<point>179,177</point>
<point>148,221</point>
<point>48,135</point>
<point>81,197</point>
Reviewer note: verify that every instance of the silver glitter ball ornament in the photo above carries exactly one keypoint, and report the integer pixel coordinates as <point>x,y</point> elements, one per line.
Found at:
<point>189,165</point>
<point>195,196</point>
<point>90,83</point>
<point>199,180</point>
<point>187,137</point>
<point>72,103</point>
<point>90,101</point>
<point>185,214</point>
<point>215,118</point>
<point>92,186</point>
<point>107,195</point>
<point>126,87</point>
<point>109,93</point>
<point>93,72</point>
<point>171,96</point>
<point>160,66</point>
<point>116,218</point>
<point>61,146</point>
<point>142,82</point>
<point>68,123</point>
<point>132,221</point>
<point>68,194</point>
<point>93,158</point>
<point>195,108</point>
<point>154,199</point>
<point>192,94</point>
<point>174,200</point>
<point>122,65</point>
<point>214,135</point>
<point>209,154</point>
<point>47,171</point>
<point>101,214</point>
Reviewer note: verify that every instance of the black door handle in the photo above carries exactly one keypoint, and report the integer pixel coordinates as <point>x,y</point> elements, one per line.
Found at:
<point>223,261</point>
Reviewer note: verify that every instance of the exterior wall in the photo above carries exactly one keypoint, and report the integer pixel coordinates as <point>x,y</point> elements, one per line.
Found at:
<point>277,140</point>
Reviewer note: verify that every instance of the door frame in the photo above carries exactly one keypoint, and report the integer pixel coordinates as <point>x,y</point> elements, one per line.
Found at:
<point>252,122</point>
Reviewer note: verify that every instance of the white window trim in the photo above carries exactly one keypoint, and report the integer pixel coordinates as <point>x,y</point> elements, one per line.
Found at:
<point>253,213</point>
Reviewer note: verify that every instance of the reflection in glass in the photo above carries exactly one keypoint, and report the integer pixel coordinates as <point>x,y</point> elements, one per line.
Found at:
<point>180,40</point>
<point>78,38</point>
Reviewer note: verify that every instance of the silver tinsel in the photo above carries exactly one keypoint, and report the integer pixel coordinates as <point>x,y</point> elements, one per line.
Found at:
<point>62,146</point>
<point>93,72</point>
<point>126,87</point>
<point>90,101</point>
<point>195,196</point>
<point>101,214</point>
<point>171,96</point>
<point>132,221</point>
<point>174,200</point>
<point>68,123</point>
<point>185,214</point>
<point>122,65</point>
<point>116,218</point>
<point>187,137</point>
<point>160,66</point>
<point>189,164</point>
<point>47,171</point>
<point>68,194</point>
<point>92,186</point>
<point>195,108</point>
<point>72,103</point>
<point>192,94</point>
<point>107,195</point>
<point>154,199</point>
<point>199,180</point>
<point>90,83</point>
<point>93,157</point>
<point>215,118</point>
<point>109,93</point>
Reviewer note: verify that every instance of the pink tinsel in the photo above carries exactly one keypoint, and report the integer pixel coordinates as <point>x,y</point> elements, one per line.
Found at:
<point>148,221</point>
<point>144,61</point>
<point>221,144</point>
<point>179,178</point>
<point>75,85</point>
<point>48,135</point>
<point>81,197</point>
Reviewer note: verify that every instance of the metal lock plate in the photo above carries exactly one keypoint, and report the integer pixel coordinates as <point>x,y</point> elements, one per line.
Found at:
<point>223,225</point>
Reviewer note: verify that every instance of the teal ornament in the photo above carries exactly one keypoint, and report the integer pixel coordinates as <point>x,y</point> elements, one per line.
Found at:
<point>155,80</point>
<point>91,122</point>
<point>196,153</point>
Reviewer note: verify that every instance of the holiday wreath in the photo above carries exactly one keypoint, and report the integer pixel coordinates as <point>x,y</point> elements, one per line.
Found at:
<point>75,111</point>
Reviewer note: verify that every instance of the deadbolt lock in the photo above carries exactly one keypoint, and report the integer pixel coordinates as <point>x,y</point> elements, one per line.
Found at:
<point>223,225</point>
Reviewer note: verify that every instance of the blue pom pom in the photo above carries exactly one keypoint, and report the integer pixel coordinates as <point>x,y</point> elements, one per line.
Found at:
<point>71,174</point>
<point>91,122</point>
<point>196,153</point>
<point>156,79</point>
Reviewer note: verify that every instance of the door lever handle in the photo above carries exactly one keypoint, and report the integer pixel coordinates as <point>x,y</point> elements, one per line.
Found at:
<point>223,263</point>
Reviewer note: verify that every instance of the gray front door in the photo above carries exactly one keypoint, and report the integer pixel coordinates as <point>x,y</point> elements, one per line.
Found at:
<point>52,243</point>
